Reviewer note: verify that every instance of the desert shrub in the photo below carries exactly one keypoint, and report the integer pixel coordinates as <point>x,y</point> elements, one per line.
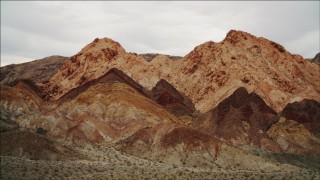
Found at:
<point>41,131</point>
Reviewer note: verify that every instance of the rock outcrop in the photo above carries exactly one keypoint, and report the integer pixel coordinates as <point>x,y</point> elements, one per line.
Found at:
<point>172,144</point>
<point>212,71</point>
<point>241,119</point>
<point>215,107</point>
<point>37,71</point>
<point>112,76</point>
<point>306,112</point>
<point>105,112</point>
<point>94,61</point>
<point>293,137</point>
<point>19,100</point>
<point>167,96</point>
<point>207,75</point>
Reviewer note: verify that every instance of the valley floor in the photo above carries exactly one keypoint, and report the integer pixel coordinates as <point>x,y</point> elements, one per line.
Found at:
<point>20,168</point>
<point>20,149</point>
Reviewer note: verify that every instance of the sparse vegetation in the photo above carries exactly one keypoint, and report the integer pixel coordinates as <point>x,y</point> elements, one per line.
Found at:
<point>121,166</point>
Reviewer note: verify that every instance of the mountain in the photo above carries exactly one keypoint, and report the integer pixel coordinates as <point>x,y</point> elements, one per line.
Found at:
<point>37,71</point>
<point>241,108</point>
<point>93,61</point>
<point>105,112</point>
<point>241,119</point>
<point>207,75</point>
<point>212,71</point>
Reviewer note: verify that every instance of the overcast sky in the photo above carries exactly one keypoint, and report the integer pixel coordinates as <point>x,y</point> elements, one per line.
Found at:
<point>33,30</point>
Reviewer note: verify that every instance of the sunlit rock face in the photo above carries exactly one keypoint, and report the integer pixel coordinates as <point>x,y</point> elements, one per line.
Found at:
<point>208,74</point>
<point>216,107</point>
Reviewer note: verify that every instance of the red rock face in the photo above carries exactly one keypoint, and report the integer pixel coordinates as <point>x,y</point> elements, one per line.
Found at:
<point>167,96</point>
<point>306,112</point>
<point>207,75</point>
<point>112,76</point>
<point>89,64</point>
<point>212,71</point>
<point>242,118</point>
<point>104,94</point>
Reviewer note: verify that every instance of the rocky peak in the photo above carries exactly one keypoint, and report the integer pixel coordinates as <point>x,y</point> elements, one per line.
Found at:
<point>99,50</point>
<point>234,36</point>
<point>212,71</point>
<point>90,63</point>
<point>241,99</point>
<point>102,45</point>
<point>250,42</point>
<point>207,75</point>
<point>242,118</point>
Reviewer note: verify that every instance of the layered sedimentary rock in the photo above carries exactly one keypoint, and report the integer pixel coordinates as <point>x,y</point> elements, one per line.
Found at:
<point>37,71</point>
<point>240,119</point>
<point>105,112</point>
<point>18,100</point>
<point>167,96</point>
<point>173,144</point>
<point>184,111</point>
<point>207,75</point>
<point>112,76</point>
<point>212,71</point>
<point>306,112</point>
<point>293,137</point>
<point>92,62</point>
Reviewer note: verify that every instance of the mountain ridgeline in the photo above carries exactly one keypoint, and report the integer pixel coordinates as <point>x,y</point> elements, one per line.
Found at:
<point>243,107</point>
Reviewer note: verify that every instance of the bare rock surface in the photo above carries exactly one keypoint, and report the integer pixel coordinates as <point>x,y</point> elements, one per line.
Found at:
<point>37,71</point>
<point>207,75</point>
<point>294,138</point>
<point>306,112</point>
<point>240,119</point>
<point>213,113</point>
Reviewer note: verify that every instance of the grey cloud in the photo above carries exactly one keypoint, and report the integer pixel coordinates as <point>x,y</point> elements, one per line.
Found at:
<point>39,29</point>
